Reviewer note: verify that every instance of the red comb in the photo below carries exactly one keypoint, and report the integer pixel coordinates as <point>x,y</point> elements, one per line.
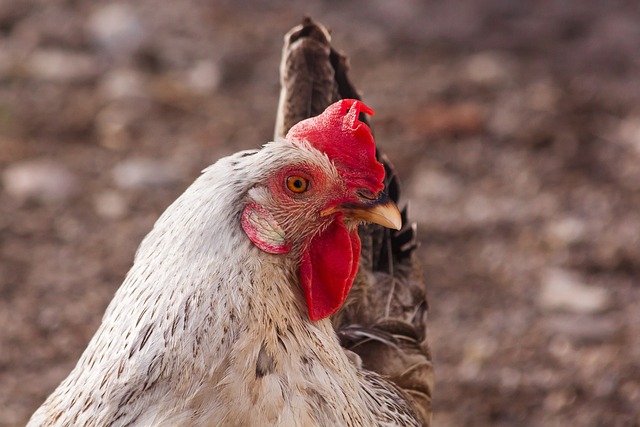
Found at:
<point>346,140</point>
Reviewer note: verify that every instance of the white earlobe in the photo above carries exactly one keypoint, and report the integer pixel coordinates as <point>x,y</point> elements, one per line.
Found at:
<point>263,230</point>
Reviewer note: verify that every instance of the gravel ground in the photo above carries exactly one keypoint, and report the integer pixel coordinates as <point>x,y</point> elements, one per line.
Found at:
<point>514,125</point>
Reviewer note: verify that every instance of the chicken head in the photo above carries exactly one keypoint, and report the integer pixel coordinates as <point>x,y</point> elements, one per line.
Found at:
<point>311,206</point>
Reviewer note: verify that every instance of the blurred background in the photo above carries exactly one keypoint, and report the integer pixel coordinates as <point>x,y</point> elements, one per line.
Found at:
<point>515,127</point>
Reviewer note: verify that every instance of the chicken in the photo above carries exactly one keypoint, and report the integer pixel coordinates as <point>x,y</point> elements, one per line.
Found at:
<point>227,314</point>
<point>223,318</point>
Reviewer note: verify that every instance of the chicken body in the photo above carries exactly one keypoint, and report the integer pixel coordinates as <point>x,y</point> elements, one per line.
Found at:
<point>209,330</point>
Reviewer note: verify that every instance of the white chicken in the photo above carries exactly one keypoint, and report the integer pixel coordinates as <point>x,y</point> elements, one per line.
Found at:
<point>223,318</point>
<point>238,311</point>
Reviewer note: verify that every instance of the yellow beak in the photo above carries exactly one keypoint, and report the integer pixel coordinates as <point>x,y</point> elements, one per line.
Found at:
<point>382,211</point>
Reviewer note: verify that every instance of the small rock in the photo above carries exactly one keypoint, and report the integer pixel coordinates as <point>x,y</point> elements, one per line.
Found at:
<point>606,386</point>
<point>479,350</point>
<point>113,123</point>
<point>441,119</point>
<point>143,173</point>
<point>479,208</point>
<point>117,28</point>
<point>110,205</point>
<point>48,318</point>
<point>51,24</point>
<point>562,348</point>
<point>631,390</point>
<point>563,290</point>
<point>7,62</point>
<point>433,184</point>
<point>583,328</point>
<point>122,83</point>
<point>566,231</point>
<point>542,96</point>
<point>204,78</point>
<point>62,66</point>
<point>629,132</point>
<point>12,12</point>
<point>508,115</point>
<point>42,180</point>
<point>559,399</point>
<point>510,378</point>
<point>487,68</point>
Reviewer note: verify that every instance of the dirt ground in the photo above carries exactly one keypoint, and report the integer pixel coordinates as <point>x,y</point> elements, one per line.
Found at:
<point>514,125</point>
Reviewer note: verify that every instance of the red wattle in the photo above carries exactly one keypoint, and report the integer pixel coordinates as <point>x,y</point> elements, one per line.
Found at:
<point>327,269</point>
<point>355,248</point>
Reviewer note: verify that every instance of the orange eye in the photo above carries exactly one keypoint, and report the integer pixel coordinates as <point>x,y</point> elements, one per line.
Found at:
<point>297,183</point>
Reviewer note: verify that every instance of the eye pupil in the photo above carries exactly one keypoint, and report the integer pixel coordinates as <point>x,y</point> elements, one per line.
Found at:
<point>297,184</point>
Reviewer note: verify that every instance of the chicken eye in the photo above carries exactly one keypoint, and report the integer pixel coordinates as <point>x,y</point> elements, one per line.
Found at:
<point>297,184</point>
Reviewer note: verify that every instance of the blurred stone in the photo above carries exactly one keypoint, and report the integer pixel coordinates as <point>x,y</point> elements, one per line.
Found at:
<point>469,370</point>
<point>479,349</point>
<point>122,83</point>
<point>594,364</point>
<point>479,208</point>
<point>110,205</point>
<point>444,419</point>
<point>172,90</point>
<point>476,353</point>
<point>559,399</point>
<point>562,348</point>
<point>144,173</point>
<point>583,328</point>
<point>441,119</point>
<point>7,61</point>
<point>48,319</point>
<point>42,180</point>
<point>542,96</point>
<point>564,290</point>
<point>487,68</point>
<point>606,386</point>
<point>113,122</point>
<point>510,378</point>
<point>51,24</point>
<point>117,28</point>
<point>12,11</point>
<point>631,390</point>
<point>429,183</point>
<point>629,132</point>
<point>508,115</point>
<point>565,231</point>
<point>62,66</point>
<point>70,229</point>
<point>204,78</point>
